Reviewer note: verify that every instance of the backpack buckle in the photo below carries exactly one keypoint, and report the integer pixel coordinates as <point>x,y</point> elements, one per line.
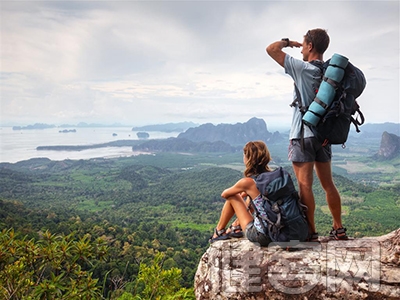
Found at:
<point>275,207</point>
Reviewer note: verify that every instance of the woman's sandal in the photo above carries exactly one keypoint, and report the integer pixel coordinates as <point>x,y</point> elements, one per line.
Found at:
<point>338,234</point>
<point>235,231</point>
<point>220,235</point>
<point>313,237</point>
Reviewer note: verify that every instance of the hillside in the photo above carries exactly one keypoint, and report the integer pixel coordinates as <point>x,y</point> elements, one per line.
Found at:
<point>191,182</point>
<point>183,191</point>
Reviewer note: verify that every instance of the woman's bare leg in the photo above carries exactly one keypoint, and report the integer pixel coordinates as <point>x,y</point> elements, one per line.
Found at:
<point>234,205</point>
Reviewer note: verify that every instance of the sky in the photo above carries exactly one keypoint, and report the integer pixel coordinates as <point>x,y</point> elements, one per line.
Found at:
<point>153,62</point>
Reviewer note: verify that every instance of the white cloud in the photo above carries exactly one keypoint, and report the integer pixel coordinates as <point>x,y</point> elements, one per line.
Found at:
<point>143,62</point>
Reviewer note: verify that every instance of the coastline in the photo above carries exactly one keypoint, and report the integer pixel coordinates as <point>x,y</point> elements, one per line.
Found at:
<point>85,143</point>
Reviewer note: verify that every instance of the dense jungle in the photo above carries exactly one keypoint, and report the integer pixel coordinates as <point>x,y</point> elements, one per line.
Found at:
<point>136,227</point>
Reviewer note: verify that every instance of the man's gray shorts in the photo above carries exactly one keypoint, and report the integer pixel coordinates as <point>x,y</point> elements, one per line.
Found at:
<point>313,151</point>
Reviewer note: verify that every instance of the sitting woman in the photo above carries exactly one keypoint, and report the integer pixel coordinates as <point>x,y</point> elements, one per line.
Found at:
<point>256,158</point>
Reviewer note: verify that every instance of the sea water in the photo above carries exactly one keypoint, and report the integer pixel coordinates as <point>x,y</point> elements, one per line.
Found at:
<point>17,145</point>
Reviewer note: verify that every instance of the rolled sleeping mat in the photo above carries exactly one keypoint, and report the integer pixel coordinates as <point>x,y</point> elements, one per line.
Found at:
<point>326,92</point>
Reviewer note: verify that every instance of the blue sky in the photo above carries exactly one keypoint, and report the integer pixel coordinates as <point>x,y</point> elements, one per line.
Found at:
<point>152,62</point>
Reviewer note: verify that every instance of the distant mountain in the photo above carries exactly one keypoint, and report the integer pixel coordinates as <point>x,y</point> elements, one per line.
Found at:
<point>390,146</point>
<point>233,134</point>
<point>168,127</point>
<point>34,126</point>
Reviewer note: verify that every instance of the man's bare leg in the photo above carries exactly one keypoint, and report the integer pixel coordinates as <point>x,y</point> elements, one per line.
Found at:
<point>304,175</point>
<point>332,195</point>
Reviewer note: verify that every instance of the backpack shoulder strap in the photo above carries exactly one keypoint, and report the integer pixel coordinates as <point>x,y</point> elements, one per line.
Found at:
<point>322,66</point>
<point>317,63</point>
<point>359,120</point>
<point>297,101</point>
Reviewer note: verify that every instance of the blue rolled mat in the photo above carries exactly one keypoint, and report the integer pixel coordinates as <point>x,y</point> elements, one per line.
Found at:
<point>326,92</point>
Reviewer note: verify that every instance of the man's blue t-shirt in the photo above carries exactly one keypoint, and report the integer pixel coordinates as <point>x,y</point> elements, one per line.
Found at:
<point>307,78</point>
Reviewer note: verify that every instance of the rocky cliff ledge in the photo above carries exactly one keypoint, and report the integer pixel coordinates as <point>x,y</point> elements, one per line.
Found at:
<point>365,268</point>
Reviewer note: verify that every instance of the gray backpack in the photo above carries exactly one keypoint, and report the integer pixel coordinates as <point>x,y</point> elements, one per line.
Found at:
<point>281,212</point>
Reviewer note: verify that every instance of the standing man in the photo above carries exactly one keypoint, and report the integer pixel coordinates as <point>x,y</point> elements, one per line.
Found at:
<point>308,153</point>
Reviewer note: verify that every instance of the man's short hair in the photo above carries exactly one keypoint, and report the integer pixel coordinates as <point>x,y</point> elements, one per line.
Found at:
<point>319,38</point>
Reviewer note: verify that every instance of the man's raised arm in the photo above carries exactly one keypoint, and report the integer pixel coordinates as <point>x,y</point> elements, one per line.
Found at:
<point>275,50</point>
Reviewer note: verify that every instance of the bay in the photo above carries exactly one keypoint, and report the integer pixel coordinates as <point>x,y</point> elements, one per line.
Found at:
<point>18,145</point>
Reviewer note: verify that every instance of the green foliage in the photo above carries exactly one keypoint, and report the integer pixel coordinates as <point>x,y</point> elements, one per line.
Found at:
<point>149,204</point>
<point>154,282</point>
<point>53,267</point>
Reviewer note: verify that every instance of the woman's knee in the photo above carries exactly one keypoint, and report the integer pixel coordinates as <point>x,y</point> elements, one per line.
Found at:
<point>234,198</point>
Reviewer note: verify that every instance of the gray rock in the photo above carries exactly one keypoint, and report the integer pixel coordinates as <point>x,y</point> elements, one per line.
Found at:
<point>365,268</point>
<point>390,146</point>
<point>233,134</point>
